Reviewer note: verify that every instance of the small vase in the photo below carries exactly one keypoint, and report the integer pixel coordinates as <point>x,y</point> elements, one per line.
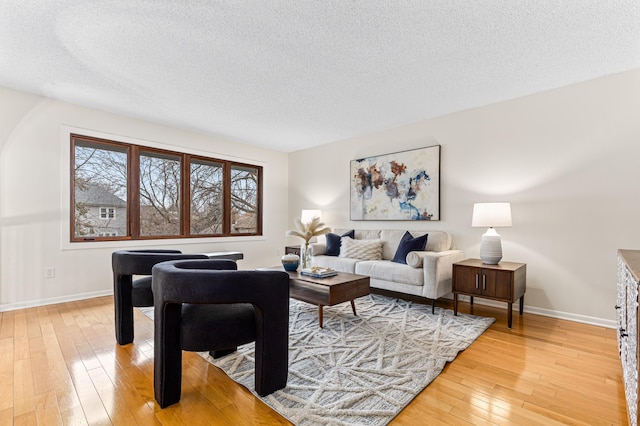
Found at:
<point>290,262</point>
<point>306,253</point>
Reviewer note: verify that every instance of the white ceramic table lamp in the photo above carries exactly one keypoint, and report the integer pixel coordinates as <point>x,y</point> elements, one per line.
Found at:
<point>491,215</point>
<point>307,215</point>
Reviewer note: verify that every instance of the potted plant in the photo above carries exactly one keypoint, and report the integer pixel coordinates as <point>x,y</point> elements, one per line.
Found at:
<point>306,231</point>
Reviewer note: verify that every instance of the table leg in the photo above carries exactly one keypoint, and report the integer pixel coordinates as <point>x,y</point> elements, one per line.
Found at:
<point>455,304</point>
<point>521,304</point>
<point>471,300</point>
<point>510,314</point>
<point>353,307</point>
<point>320,314</point>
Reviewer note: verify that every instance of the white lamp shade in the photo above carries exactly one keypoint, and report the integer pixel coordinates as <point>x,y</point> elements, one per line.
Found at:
<point>308,215</point>
<point>491,215</point>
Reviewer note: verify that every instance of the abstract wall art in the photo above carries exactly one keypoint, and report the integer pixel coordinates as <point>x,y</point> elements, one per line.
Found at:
<point>400,186</point>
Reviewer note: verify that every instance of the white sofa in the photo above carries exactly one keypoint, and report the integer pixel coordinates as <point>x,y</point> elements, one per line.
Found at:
<point>427,273</point>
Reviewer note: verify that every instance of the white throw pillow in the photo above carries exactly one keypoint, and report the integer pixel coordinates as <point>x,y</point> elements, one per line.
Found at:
<point>361,249</point>
<point>414,259</point>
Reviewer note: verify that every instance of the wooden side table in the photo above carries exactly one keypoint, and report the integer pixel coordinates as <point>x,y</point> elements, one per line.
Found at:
<point>292,250</point>
<point>504,282</point>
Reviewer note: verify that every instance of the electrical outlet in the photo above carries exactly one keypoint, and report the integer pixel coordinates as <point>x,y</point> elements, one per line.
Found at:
<point>49,272</point>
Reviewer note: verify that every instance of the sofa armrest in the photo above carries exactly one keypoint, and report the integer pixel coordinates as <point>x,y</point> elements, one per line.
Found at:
<point>438,267</point>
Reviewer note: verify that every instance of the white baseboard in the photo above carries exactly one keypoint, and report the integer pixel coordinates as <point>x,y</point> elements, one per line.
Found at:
<point>52,301</point>
<point>527,309</point>
<point>546,312</point>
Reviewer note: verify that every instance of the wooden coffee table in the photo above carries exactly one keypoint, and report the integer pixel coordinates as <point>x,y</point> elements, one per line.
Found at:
<point>327,291</point>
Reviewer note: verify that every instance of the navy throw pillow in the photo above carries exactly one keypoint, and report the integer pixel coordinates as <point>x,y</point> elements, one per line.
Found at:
<point>408,244</point>
<point>333,242</point>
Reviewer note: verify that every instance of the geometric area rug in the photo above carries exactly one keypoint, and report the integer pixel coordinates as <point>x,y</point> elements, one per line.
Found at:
<point>358,370</point>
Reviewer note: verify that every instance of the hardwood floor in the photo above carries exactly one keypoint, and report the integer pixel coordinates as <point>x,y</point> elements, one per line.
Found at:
<point>60,364</point>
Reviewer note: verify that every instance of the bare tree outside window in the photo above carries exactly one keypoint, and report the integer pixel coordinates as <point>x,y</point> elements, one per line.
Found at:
<point>159,194</point>
<point>244,199</point>
<point>207,197</point>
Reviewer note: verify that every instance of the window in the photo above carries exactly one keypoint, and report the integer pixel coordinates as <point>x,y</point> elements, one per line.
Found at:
<point>244,199</point>
<point>207,197</point>
<point>159,189</point>
<point>107,213</point>
<point>99,178</point>
<point>124,191</point>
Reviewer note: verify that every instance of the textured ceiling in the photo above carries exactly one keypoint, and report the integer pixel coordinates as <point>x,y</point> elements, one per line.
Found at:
<point>294,74</point>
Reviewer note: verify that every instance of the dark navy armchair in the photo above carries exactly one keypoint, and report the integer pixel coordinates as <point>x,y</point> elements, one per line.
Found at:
<point>199,306</point>
<point>128,292</point>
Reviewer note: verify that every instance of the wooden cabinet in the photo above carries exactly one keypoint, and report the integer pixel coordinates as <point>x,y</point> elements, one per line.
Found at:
<point>627,321</point>
<point>505,282</point>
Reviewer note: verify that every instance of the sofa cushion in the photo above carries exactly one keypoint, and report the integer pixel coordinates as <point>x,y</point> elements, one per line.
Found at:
<point>341,264</point>
<point>391,240</point>
<point>409,244</point>
<point>361,234</point>
<point>361,249</point>
<point>333,242</point>
<point>438,241</point>
<point>387,270</point>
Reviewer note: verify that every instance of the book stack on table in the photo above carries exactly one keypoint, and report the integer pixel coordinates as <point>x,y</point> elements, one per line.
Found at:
<point>318,272</point>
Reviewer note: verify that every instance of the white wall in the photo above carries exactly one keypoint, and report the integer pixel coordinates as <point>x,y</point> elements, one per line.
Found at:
<point>568,160</point>
<point>34,199</point>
